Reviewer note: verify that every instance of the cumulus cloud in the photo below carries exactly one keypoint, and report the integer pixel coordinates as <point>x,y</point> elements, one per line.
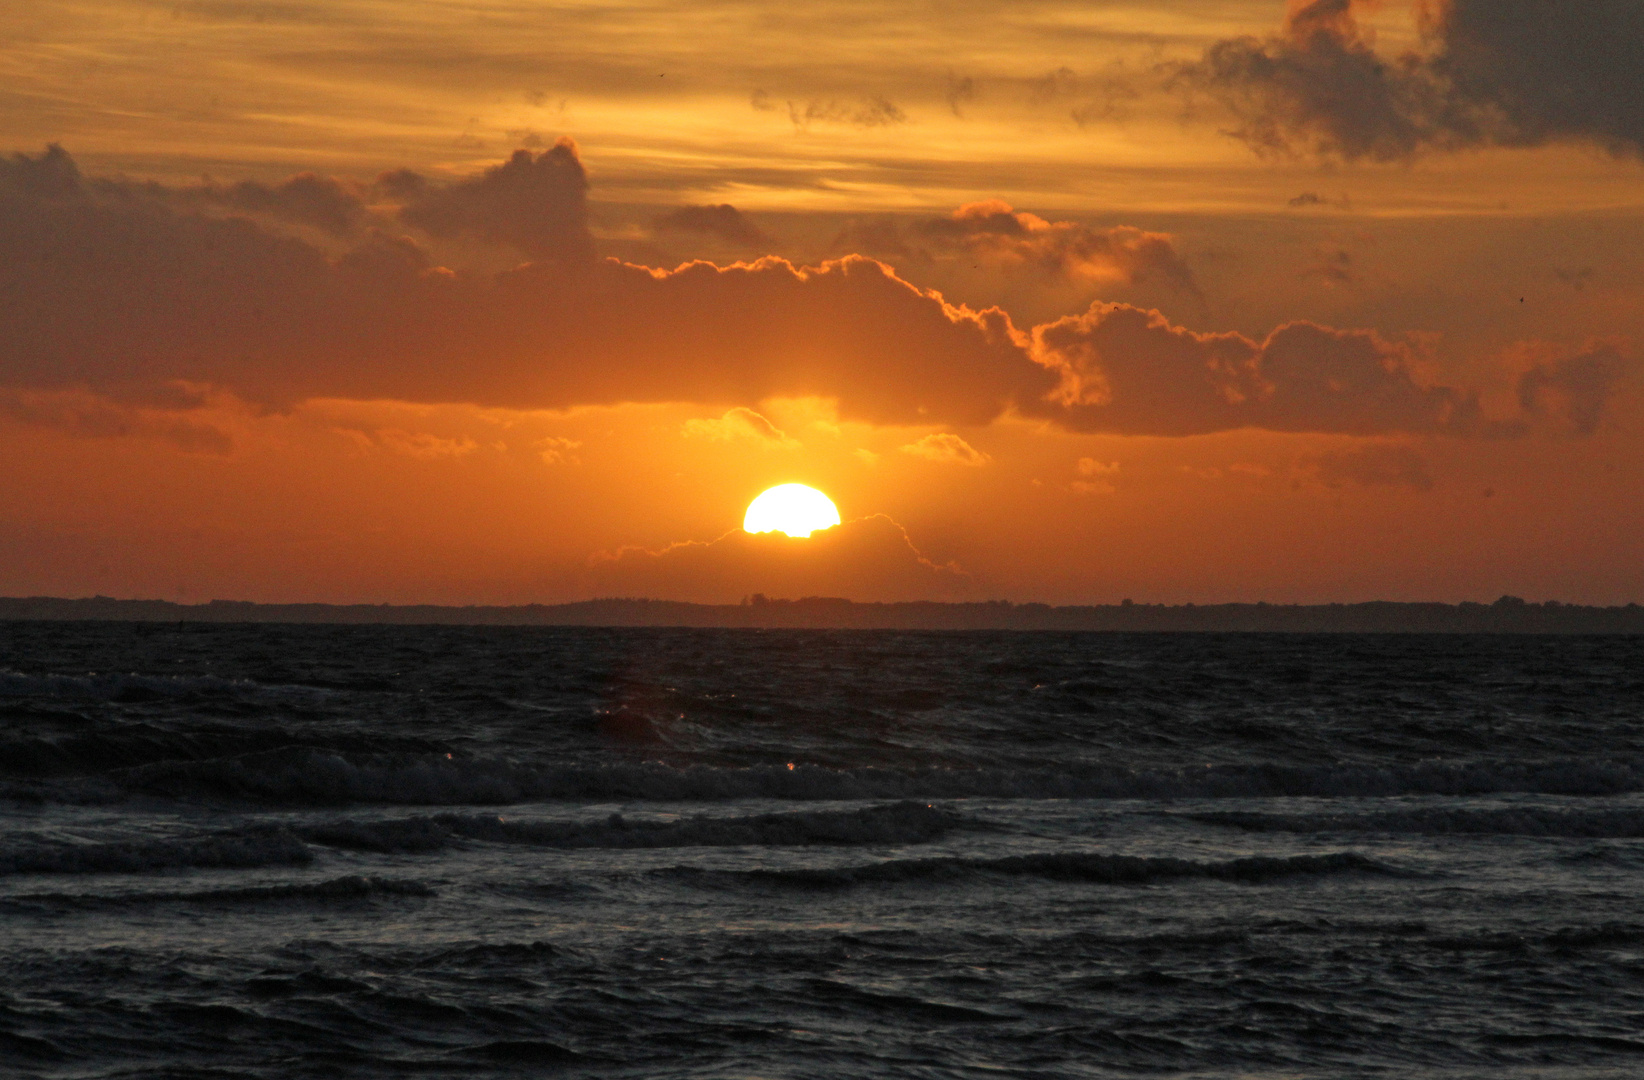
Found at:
<point>869,558</point>
<point>323,202</point>
<point>131,292</point>
<point>725,222</point>
<point>947,449</point>
<point>118,290</point>
<point>740,423</point>
<point>1575,390</point>
<point>991,230</point>
<point>1493,73</point>
<point>1127,370</point>
<point>537,203</point>
<point>1375,465</point>
<point>994,234</point>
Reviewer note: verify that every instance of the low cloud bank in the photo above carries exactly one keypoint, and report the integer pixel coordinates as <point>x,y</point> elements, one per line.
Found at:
<point>126,291</point>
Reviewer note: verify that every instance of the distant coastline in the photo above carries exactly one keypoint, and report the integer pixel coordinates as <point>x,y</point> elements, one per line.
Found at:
<point>1508,615</point>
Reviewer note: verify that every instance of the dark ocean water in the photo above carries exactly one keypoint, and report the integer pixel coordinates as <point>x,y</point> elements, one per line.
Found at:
<point>308,851</point>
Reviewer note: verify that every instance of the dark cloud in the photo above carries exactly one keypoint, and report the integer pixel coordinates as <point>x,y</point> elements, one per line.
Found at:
<point>122,290</point>
<point>111,293</point>
<point>724,221</point>
<point>306,199</point>
<point>870,112</point>
<point>1575,390</point>
<point>869,558</point>
<point>96,417</point>
<point>1493,73</point>
<point>537,203</point>
<point>1130,371</point>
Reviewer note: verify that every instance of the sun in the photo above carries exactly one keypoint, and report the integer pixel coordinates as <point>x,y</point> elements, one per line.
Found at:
<point>791,508</point>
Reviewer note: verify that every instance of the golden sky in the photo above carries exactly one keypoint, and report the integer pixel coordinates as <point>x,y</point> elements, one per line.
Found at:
<point>503,301</point>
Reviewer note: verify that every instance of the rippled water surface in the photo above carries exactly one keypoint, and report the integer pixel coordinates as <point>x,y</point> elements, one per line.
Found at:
<point>273,851</point>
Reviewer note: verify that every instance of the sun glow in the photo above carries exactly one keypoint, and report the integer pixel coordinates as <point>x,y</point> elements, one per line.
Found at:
<point>791,508</point>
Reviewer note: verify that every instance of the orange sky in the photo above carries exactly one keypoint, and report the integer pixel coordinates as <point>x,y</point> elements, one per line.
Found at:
<point>501,301</point>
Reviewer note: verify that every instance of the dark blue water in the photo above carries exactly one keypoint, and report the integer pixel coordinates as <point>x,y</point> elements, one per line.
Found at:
<point>402,851</point>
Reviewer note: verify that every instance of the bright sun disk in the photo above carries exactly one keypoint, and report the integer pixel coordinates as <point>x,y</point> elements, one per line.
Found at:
<point>793,509</point>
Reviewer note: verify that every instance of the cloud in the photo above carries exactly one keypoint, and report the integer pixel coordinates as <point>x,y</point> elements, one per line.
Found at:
<point>423,445</point>
<point>1493,73</point>
<point>116,290</point>
<point>128,291</point>
<point>537,203</point>
<point>871,112</point>
<point>723,221</point>
<point>557,450</point>
<point>947,449</point>
<point>870,558</point>
<point>324,202</point>
<point>996,234</point>
<point>94,417</point>
<point>1129,371</point>
<point>1574,390</point>
<point>1096,477</point>
<point>740,423</point>
<point>1376,465</point>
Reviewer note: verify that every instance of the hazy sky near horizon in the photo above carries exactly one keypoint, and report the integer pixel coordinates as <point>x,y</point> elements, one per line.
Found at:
<point>503,301</point>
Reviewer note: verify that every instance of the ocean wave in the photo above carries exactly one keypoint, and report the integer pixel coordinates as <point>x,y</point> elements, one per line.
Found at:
<point>1434,821</point>
<point>899,823</point>
<point>1565,939</point>
<point>354,887</point>
<point>1084,867</point>
<point>240,849</point>
<point>134,688</point>
<point>308,776</point>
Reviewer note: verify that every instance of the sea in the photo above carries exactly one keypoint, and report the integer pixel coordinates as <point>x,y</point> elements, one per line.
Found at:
<point>399,851</point>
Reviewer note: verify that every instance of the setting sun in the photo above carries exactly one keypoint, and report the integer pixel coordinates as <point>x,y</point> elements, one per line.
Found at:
<point>793,509</point>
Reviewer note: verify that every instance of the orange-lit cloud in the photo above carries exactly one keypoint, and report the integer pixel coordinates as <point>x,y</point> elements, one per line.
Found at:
<point>946,448</point>
<point>993,232</point>
<point>740,423</point>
